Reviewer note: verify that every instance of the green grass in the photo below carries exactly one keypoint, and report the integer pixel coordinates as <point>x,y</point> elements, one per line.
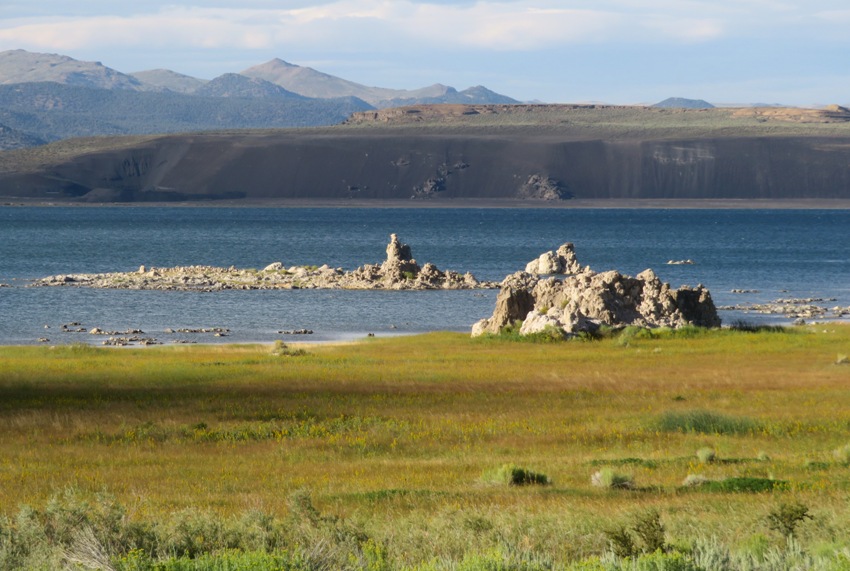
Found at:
<point>203,448</point>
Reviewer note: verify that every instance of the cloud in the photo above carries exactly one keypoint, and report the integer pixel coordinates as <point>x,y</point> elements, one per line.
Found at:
<point>486,25</point>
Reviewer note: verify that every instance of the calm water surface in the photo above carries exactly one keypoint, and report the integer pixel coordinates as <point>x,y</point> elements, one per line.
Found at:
<point>781,253</point>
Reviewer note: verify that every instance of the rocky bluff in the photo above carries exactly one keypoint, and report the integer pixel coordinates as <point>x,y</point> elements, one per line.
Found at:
<point>533,153</point>
<point>583,300</point>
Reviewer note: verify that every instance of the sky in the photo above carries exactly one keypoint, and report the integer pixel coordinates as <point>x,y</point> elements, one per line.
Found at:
<point>612,51</point>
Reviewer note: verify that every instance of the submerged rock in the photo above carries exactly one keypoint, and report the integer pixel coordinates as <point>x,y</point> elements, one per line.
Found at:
<point>586,300</point>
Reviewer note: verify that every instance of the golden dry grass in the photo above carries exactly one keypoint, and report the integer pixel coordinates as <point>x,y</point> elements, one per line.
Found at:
<point>398,432</point>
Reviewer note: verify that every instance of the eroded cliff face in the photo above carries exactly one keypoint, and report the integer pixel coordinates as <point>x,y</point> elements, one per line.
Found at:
<point>440,165</point>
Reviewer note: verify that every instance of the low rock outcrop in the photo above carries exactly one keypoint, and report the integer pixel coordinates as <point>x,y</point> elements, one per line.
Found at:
<point>398,272</point>
<point>584,300</point>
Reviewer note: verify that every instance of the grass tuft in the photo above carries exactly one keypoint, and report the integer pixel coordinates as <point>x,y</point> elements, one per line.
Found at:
<point>842,454</point>
<point>706,455</point>
<point>611,480</point>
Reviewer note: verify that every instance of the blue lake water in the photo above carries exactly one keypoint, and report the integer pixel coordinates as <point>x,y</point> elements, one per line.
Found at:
<point>781,253</point>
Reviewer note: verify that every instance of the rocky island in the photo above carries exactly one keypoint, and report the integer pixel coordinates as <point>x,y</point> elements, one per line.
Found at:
<point>399,271</point>
<point>582,300</point>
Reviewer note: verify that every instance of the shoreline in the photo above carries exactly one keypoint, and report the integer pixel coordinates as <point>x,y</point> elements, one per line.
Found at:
<point>578,204</point>
<point>307,344</point>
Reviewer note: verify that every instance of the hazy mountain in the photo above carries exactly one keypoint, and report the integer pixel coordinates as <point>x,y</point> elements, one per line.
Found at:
<point>158,79</point>
<point>54,111</point>
<point>45,97</point>
<point>480,94</point>
<point>20,66</point>
<point>235,85</point>
<point>474,95</point>
<point>681,102</point>
<point>311,83</point>
<point>14,139</point>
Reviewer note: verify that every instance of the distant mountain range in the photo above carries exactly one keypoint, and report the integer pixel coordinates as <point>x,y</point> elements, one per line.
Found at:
<point>47,97</point>
<point>312,83</point>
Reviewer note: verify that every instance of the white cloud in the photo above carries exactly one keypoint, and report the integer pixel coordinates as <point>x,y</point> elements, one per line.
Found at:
<point>517,25</point>
<point>594,44</point>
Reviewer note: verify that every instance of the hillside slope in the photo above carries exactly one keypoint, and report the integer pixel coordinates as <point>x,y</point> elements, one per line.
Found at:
<point>53,111</point>
<point>440,153</point>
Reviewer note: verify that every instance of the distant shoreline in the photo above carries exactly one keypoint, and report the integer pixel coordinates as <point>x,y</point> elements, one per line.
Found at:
<point>626,204</point>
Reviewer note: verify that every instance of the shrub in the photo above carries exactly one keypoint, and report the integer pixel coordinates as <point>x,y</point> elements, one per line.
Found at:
<point>785,518</point>
<point>748,327</point>
<point>706,455</point>
<point>742,484</point>
<point>511,475</point>
<point>705,422</point>
<point>608,478</point>
<point>643,462</point>
<point>815,465</point>
<point>650,530</point>
<point>281,349</point>
<point>650,533</point>
<point>620,541</point>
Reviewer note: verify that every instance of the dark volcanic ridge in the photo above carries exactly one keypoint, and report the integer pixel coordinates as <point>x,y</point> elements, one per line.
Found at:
<point>441,153</point>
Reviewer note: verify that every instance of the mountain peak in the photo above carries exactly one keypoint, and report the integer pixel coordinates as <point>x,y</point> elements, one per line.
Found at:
<point>684,103</point>
<point>284,63</point>
<point>21,66</point>
<point>236,85</point>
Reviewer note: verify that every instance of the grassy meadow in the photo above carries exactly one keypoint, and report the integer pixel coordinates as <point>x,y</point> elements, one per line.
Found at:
<point>397,453</point>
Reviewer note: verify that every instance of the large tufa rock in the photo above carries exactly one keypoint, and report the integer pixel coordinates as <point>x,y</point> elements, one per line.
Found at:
<point>513,303</point>
<point>560,261</point>
<point>396,251</point>
<point>399,266</point>
<point>586,300</point>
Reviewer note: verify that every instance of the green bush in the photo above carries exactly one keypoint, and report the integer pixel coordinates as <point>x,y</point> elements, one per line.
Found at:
<point>511,475</point>
<point>650,530</point>
<point>748,327</point>
<point>742,484</point>
<point>643,462</point>
<point>785,518</point>
<point>705,422</point>
<point>646,534</point>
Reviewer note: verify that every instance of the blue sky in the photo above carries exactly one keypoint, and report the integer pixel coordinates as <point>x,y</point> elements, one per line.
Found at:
<point>614,51</point>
